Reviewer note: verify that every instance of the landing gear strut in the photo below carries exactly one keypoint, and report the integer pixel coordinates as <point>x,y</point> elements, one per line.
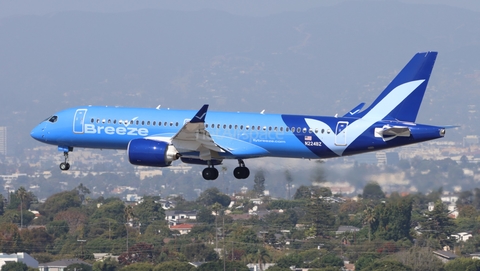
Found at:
<point>210,173</point>
<point>241,172</point>
<point>65,165</point>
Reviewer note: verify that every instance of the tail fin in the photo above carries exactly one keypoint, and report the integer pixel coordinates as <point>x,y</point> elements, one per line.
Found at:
<point>402,98</point>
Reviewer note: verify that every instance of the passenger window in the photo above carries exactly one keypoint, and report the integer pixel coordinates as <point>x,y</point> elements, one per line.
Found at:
<point>281,129</point>
<point>287,129</point>
<point>299,130</point>
<point>109,121</point>
<point>103,121</point>
<point>218,126</point>
<point>176,123</point>
<point>323,131</point>
<point>92,121</point>
<point>224,126</point>
<point>114,121</point>
<point>206,125</point>
<point>293,129</point>
<point>154,122</point>
<point>316,130</point>
<point>230,126</point>
<point>269,128</point>
<point>143,122</point>
<point>241,127</point>
<point>138,122</point>
<point>148,122</point>
<point>258,128</point>
<point>171,123</point>
<point>304,130</point>
<point>236,127</point>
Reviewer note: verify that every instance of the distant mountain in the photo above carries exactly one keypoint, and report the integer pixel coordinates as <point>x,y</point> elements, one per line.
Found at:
<point>322,61</point>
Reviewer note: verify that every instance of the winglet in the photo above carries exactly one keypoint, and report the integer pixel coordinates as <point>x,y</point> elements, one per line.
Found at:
<point>200,116</point>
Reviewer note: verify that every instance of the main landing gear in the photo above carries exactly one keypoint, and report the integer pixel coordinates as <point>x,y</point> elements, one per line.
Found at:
<point>211,173</point>
<point>65,165</point>
<point>241,172</point>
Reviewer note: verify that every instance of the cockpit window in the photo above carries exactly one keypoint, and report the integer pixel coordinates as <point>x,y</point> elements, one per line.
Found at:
<point>53,119</point>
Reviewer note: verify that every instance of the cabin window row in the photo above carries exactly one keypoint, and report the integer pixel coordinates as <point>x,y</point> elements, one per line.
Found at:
<point>218,126</point>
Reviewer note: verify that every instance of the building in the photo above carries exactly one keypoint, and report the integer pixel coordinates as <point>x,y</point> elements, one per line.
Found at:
<point>175,217</point>
<point>60,265</point>
<point>18,257</point>
<point>182,228</point>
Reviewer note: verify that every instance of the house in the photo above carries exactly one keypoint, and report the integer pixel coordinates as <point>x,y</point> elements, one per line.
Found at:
<point>59,265</point>
<point>445,256</point>
<point>175,217</point>
<point>18,257</point>
<point>182,228</point>
<point>344,229</point>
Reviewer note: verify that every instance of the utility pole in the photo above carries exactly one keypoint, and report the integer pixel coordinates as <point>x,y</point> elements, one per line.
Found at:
<point>81,244</point>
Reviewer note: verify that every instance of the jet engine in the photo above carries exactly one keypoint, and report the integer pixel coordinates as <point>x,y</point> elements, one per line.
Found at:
<point>146,152</point>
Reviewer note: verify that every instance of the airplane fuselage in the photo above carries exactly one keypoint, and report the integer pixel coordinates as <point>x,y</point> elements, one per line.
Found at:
<point>277,135</point>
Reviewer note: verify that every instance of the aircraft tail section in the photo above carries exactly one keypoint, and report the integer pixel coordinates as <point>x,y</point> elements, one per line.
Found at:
<point>401,99</point>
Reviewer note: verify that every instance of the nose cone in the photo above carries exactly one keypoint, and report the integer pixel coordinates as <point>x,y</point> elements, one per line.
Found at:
<point>38,133</point>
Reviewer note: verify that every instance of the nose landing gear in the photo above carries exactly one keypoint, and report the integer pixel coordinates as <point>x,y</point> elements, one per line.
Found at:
<point>65,165</point>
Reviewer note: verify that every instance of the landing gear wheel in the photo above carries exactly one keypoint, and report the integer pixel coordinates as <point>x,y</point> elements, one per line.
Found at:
<point>64,166</point>
<point>210,173</point>
<point>241,172</point>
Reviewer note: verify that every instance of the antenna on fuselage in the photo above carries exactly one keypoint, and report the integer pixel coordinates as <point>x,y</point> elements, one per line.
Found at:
<point>158,107</point>
<point>263,111</point>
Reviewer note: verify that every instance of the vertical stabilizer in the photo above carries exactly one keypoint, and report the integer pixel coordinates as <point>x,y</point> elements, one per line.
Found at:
<point>401,99</point>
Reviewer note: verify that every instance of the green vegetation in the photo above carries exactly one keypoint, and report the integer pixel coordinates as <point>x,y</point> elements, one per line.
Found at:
<point>394,232</point>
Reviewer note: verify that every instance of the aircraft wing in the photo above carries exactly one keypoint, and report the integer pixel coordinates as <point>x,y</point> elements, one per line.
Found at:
<point>355,110</point>
<point>193,137</point>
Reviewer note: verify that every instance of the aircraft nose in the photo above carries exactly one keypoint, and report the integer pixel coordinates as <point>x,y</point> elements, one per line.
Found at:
<point>38,133</point>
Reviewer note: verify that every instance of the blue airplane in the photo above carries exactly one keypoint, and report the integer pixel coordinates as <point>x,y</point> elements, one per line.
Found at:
<point>156,137</point>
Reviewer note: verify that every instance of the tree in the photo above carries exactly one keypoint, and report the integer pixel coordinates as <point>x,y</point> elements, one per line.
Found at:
<point>213,195</point>
<point>303,192</point>
<point>369,219</point>
<point>261,257</point>
<point>393,219</point>
<point>438,225</point>
<point>10,240</point>
<point>22,195</point>
<point>78,267</point>
<point>372,190</point>
<point>148,211</point>
<point>219,266</point>
<point>141,252</point>
<point>463,264</point>
<point>320,215</point>
<point>420,258</point>
<point>35,240</point>
<point>204,215</point>
<point>107,264</point>
<point>386,265</point>
<point>174,266</point>
<point>60,202</point>
<point>14,266</point>
<point>57,228</point>
<point>259,180</point>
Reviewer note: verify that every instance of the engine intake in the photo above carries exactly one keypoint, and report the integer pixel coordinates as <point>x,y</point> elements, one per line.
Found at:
<point>145,152</point>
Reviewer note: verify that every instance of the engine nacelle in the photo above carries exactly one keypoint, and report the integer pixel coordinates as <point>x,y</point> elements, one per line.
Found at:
<point>145,152</point>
